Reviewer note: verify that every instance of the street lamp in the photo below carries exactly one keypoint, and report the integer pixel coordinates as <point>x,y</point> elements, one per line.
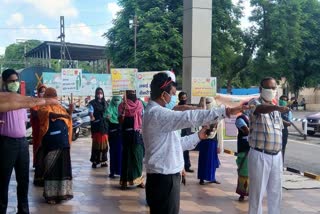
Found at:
<point>134,24</point>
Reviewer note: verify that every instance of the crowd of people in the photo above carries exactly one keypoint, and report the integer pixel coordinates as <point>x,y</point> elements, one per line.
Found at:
<point>133,133</point>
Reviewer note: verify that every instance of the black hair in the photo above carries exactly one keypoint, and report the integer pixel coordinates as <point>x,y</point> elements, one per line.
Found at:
<point>283,96</point>
<point>96,93</point>
<point>265,80</point>
<point>182,93</point>
<point>159,80</point>
<point>7,73</point>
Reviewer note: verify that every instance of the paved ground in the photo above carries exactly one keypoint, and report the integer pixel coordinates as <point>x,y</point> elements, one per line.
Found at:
<point>301,154</point>
<point>95,193</point>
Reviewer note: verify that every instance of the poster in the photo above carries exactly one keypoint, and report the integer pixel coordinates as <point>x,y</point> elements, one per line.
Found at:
<point>89,83</point>
<point>71,80</point>
<point>204,87</point>
<point>52,80</point>
<point>123,79</point>
<point>143,83</point>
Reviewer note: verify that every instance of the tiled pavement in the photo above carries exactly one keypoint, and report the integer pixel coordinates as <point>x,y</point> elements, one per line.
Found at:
<point>94,192</point>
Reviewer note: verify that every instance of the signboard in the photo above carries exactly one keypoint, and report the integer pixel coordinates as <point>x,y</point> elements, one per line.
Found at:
<point>204,87</point>
<point>143,83</point>
<point>71,80</point>
<point>89,83</point>
<point>123,79</point>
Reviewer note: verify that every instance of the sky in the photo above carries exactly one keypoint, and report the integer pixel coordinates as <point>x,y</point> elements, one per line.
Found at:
<point>85,20</point>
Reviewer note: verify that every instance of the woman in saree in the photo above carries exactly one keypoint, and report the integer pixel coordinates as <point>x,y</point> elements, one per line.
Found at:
<point>208,151</point>
<point>115,140</point>
<point>99,129</point>
<point>130,116</point>
<point>242,123</point>
<point>37,151</point>
<point>56,136</point>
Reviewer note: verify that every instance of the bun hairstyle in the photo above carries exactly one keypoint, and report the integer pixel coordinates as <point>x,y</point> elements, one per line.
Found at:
<point>161,82</point>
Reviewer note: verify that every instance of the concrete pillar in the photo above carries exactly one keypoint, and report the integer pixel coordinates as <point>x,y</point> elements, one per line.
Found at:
<point>49,53</point>
<point>197,30</point>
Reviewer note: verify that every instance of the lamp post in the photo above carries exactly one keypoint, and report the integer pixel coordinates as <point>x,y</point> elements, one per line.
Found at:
<point>134,24</point>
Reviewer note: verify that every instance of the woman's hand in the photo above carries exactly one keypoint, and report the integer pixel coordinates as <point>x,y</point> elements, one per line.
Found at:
<point>202,133</point>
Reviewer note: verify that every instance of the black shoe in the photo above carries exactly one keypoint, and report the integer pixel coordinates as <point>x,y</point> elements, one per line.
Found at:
<point>94,166</point>
<point>190,170</point>
<point>241,198</point>
<point>201,182</point>
<point>104,165</point>
<point>112,176</point>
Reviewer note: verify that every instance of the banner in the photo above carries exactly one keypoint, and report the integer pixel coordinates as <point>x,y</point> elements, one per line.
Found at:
<point>204,87</point>
<point>93,81</point>
<point>143,83</point>
<point>123,79</point>
<point>233,100</point>
<point>52,80</point>
<point>89,83</point>
<point>71,80</point>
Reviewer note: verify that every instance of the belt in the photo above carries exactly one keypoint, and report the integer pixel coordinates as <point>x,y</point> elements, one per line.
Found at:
<point>266,152</point>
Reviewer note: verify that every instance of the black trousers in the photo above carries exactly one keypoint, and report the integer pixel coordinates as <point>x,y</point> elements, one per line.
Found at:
<point>163,193</point>
<point>14,154</point>
<point>186,157</point>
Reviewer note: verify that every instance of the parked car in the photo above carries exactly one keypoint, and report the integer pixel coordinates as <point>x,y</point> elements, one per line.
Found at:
<point>313,123</point>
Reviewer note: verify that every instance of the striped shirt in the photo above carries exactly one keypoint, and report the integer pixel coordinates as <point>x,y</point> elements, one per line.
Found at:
<point>265,129</point>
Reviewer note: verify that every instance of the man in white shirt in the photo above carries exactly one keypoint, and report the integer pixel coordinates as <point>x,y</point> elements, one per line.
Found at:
<point>164,146</point>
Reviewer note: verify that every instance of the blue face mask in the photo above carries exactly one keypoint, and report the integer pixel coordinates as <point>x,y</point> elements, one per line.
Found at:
<point>172,103</point>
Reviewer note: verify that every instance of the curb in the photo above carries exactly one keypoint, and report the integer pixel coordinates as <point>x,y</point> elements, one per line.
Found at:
<point>289,169</point>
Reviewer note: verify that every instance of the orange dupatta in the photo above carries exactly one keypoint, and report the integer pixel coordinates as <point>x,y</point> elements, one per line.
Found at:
<point>43,115</point>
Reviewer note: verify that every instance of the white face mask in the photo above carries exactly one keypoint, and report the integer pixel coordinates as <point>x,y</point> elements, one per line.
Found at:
<point>268,94</point>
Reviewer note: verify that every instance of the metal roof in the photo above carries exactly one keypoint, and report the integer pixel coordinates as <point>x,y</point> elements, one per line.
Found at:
<point>74,51</point>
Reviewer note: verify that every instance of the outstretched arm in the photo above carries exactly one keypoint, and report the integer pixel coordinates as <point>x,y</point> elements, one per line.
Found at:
<point>13,101</point>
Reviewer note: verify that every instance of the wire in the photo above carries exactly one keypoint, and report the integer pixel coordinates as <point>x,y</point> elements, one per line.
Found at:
<point>51,28</point>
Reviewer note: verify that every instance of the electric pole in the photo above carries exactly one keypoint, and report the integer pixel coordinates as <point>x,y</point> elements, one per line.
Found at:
<point>62,40</point>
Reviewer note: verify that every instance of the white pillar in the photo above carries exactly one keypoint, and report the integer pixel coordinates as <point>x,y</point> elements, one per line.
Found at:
<point>197,30</point>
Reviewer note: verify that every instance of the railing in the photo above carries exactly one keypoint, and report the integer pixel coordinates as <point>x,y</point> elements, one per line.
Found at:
<point>304,124</point>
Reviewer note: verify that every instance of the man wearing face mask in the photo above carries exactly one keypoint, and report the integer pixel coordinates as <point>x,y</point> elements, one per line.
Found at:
<point>286,118</point>
<point>14,151</point>
<point>265,140</point>
<point>163,145</point>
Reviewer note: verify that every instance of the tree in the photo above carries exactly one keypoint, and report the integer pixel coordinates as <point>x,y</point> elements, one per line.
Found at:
<point>14,53</point>
<point>159,37</point>
<point>231,47</point>
<point>286,35</point>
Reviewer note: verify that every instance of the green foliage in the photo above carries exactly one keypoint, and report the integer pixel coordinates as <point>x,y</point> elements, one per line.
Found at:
<point>159,35</point>
<point>14,53</point>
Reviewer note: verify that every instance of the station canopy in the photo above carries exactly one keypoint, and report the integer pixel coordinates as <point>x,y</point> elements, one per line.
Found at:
<point>73,51</point>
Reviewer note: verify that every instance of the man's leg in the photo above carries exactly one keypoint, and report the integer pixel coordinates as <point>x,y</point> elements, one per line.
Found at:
<point>22,176</point>
<point>163,193</point>
<point>187,163</point>
<point>259,169</point>
<point>274,187</point>
<point>8,154</point>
